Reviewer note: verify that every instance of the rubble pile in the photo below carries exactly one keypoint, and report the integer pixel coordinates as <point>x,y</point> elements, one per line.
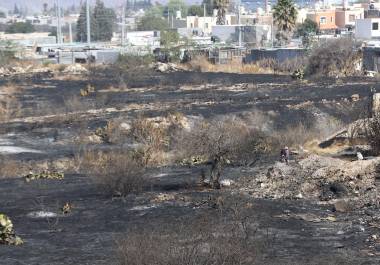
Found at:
<point>317,177</point>
<point>75,69</point>
<point>166,67</point>
<point>44,175</point>
<point>7,234</point>
<point>19,70</point>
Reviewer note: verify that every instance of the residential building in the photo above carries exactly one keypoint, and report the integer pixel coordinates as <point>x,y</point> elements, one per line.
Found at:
<point>29,39</point>
<point>143,38</point>
<point>367,28</point>
<point>325,18</point>
<point>301,15</point>
<point>202,25</point>
<point>253,35</point>
<point>346,16</point>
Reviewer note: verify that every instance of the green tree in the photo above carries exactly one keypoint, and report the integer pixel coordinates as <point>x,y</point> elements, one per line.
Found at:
<point>16,11</point>
<point>195,10</point>
<point>20,27</point>
<point>306,29</point>
<point>102,21</point>
<point>150,22</point>
<point>169,38</point>
<point>177,5</point>
<point>284,15</point>
<point>82,25</point>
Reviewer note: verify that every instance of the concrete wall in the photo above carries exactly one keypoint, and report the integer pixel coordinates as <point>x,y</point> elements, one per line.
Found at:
<point>259,35</point>
<point>279,55</point>
<point>371,59</point>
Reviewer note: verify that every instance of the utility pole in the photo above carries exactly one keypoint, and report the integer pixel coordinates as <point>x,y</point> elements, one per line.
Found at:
<point>70,33</point>
<point>59,26</point>
<point>204,10</point>
<point>88,22</point>
<point>239,22</point>
<point>123,26</point>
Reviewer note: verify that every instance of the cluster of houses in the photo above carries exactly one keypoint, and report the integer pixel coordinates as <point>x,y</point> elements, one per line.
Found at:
<point>242,28</point>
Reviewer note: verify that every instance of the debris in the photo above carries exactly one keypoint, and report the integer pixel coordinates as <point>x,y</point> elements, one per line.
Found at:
<point>75,69</point>
<point>307,217</point>
<point>44,175</point>
<point>166,67</point>
<point>194,160</point>
<point>87,91</point>
<point>298,74</point>
<point>226,182</point>
<point>342,206</point>
<point>42,214</point>
<point>66,209</point>
<point>355,97</point>
<point>330,218</point>
<point>163,197</point>
<point>315,176</point>
<point>7,234</point>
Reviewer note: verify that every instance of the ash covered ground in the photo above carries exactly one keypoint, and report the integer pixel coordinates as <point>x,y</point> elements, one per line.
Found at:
<point>298,213</point>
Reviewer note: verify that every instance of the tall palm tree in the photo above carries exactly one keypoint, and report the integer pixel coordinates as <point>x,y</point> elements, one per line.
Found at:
<point>285,16</point>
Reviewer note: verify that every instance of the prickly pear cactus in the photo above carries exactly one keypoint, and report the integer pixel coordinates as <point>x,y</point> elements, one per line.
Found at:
<point>7,234</point>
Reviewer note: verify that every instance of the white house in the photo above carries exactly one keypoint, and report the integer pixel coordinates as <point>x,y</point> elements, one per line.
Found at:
<point>201,23</point>
<point>367,28</point>
<point>143,38</point>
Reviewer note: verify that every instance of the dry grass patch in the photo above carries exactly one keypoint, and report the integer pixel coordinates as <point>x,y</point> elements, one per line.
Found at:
<point>264,66</point>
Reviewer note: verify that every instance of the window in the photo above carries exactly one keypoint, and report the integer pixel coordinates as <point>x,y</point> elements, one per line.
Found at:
<point>322,20</point>
<point>351,18</point>
<point>332,19</point>
<point>206,25</point>
<point>375,26</point>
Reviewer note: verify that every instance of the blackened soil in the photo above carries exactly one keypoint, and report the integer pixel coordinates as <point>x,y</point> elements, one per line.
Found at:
<point>87,235</point>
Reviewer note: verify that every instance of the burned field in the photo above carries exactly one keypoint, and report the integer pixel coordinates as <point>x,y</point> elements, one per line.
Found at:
<point>320,209</point>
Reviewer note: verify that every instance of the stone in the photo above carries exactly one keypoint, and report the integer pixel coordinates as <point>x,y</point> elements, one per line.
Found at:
<point>355,97</point>
<point>226,182</point>
<point>342,206</point>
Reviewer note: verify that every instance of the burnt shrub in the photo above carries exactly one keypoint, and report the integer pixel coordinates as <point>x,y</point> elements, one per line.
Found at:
<point>372,132</point>
<point>334,58</point>
<point>221,142</point>
<point>117,172</point>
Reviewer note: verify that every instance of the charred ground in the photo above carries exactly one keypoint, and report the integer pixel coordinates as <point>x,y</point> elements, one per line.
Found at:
<point>53,113</point>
